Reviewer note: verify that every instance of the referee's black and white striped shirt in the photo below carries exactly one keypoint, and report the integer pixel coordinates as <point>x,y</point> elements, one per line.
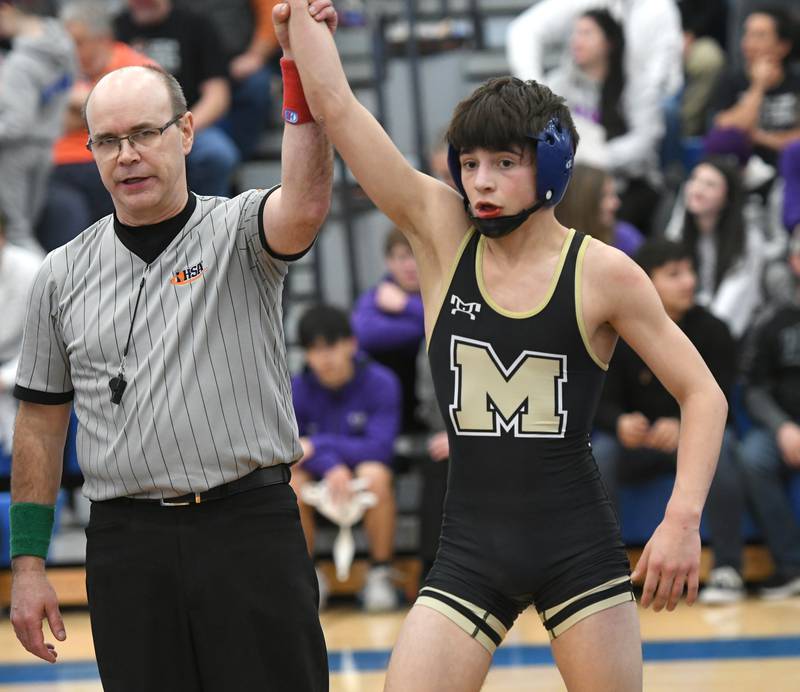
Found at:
<point>208,396</point>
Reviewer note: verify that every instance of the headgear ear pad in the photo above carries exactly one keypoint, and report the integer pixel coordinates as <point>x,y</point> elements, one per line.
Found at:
<point>554,158</point>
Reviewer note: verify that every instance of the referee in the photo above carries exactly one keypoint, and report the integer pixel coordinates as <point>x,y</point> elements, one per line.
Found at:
<point>162,325</point>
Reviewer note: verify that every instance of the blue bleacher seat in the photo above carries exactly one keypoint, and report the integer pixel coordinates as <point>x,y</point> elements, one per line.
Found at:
<point>5,464</point>
<point>71,467</point>
<point>642,508</point>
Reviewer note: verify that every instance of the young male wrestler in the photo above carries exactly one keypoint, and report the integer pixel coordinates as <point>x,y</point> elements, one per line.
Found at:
<point>522,316</point>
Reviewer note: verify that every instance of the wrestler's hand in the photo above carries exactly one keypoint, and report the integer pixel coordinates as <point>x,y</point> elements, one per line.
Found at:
<point>670,561</point>
<point>321,10</point>
<point>32,600</point>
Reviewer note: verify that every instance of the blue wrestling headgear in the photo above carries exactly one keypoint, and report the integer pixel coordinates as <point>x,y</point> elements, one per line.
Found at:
<point>554,157</point>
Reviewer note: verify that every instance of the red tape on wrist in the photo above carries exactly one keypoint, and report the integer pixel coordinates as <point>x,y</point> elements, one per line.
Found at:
<point>295,108</point>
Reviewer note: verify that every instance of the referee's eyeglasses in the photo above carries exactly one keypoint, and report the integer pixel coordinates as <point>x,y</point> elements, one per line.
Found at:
<point>108,147</point>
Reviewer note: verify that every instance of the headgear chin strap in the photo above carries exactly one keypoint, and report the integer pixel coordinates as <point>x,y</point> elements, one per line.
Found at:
<point>554,157</point>
<point>501,225</point>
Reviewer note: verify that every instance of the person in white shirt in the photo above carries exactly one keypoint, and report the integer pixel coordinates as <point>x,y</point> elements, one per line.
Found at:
<point>593,81</point>
<point>652,36</point>
<point>18,267</point>
<point>727,247</point>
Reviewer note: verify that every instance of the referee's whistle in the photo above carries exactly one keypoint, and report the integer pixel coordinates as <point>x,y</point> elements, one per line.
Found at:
<point>117,386</point>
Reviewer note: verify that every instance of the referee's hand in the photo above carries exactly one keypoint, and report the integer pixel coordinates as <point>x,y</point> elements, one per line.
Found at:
<point>32,600</point>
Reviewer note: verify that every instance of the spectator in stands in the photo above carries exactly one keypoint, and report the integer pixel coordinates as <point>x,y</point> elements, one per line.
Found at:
<point>758,107</point>
<point>706,18</point>
<point>638,421</point>
<point>590,205</point>
<point>771,449</point>
<point>652,60</point>
<point>703,62</point>
<point>76,197</point>
<point>438,160</point>
<point>35,78</point>
<point>618,130</point>
<point>18,268</point>
<point>348,414</point>
<point>186,45</point>
<point>388,321</point>
<point>763,205</point>
<point>652,37</point>
<point>727,251</point>
<point>248,36</point>
<point>790,172</point>
<point>739,10</point>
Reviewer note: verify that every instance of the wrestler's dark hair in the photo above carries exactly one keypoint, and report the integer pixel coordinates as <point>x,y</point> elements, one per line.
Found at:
<point>503,113</point>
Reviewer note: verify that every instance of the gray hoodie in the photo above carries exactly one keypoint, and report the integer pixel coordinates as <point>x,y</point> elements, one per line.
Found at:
<point>35,79</point>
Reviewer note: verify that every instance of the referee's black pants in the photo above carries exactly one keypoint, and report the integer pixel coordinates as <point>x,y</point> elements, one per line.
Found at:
<point>218,597</point>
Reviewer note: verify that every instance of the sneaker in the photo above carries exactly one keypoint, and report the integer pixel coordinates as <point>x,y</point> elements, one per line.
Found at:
<point>379,594</point>
<point>780,585</point>
<point>724,586</point>
<point>324,589</point>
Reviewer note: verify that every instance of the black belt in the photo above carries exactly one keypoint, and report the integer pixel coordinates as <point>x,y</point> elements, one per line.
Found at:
<point>269,475</point>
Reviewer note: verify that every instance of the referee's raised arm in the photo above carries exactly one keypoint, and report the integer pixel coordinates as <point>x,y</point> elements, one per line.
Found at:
<point>197,571</point>
<point>294,214</point>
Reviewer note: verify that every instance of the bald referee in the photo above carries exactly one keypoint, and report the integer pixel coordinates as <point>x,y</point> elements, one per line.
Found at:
<point>162,324</point>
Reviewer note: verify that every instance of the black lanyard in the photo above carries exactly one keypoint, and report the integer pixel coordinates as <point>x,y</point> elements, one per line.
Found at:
<point>117,384</point>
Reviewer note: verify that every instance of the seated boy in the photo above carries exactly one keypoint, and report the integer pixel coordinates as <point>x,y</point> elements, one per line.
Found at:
<point>638,421</point>
<point>348,414</point>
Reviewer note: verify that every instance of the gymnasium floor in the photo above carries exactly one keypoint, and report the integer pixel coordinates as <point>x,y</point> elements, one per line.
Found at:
<point>753,646</point>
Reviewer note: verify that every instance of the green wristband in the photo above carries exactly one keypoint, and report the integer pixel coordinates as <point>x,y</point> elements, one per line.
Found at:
<point>31,527</point>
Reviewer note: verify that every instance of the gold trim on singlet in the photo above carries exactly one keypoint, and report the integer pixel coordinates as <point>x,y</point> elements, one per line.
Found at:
<point>598,607</point>
<point>590,609</point>
<point>555,610</point>
<point>579,305</point>
<point>448,281</point>
<point>553,282</point>
<point>460,620</point>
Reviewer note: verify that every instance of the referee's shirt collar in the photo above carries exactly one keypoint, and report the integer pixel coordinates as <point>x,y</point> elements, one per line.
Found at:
<point>148,242</point>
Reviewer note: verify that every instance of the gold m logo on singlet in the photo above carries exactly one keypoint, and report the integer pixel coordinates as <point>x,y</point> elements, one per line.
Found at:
<point>524,399</point>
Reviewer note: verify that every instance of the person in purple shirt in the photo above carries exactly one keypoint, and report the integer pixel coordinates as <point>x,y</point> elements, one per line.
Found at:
<point>389,324</point>
<point>790,172</point>
<point>348,415</point>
